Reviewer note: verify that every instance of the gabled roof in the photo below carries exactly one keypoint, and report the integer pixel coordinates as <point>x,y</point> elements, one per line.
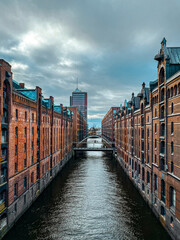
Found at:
<point>173,53</point>
<point>169,53</point>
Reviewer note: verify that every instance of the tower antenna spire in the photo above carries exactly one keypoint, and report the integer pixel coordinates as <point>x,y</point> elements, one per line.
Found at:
<point>77,82</point>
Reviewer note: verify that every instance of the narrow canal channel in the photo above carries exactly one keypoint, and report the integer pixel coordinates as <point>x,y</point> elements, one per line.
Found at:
<point>90,199</point>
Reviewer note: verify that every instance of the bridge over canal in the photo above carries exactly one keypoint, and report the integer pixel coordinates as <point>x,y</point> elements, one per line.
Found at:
<point>106,146</point>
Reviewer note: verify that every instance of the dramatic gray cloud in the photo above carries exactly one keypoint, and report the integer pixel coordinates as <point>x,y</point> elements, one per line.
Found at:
<point>108,44</point>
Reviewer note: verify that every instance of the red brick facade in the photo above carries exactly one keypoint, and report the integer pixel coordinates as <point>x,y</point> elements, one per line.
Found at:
<point>36,140</point>
<point>107,124</point>
<point>147,138</point>
<point>79,125</point>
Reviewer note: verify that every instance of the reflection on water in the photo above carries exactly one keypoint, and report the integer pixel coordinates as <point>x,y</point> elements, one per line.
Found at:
<point>90,199</point>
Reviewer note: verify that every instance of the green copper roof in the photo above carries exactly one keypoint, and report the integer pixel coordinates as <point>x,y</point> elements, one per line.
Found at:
<point>57,109</point>
<point>31,94</point>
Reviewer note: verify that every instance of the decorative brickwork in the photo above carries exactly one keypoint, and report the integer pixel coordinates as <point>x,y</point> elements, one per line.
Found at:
<point>147,133</point>
<point>36,141</point>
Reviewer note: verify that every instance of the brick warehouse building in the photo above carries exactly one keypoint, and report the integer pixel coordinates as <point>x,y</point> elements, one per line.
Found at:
<point>147,138</point>
<point>107,124</point>
<point>36,141</point>
<point>79,125</point>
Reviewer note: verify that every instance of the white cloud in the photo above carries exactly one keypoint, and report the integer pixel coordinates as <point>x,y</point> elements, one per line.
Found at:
<point>18,66</point>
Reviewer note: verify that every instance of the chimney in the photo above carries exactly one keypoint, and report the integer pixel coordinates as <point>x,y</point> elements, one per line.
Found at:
<point>22,85</point>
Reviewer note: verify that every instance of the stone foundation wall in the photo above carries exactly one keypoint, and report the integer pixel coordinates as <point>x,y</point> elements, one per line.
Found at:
<point>22,203</point>
<point>154,203</point>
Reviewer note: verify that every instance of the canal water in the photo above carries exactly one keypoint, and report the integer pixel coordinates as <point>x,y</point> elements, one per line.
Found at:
<point>91,198</point>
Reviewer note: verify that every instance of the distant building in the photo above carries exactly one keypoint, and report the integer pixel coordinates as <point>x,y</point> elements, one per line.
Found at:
<point>108,124</point>
<point>79,125</point>
<point>79,100</point>
<point>92,131</point>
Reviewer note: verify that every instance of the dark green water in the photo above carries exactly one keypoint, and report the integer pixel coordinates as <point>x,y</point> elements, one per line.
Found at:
<point>90,199</point>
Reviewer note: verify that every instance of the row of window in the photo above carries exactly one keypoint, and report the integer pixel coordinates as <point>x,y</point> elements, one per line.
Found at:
<point>25,163</point>
<point>162,112</point>
<point>25,148</point>
<point>173,91</point>
<point>25,185</point>
<point>172,193</point>
<point>25,132</point>
<point>25,117</point>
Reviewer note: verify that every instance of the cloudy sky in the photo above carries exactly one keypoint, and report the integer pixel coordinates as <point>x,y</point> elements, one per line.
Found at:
<point>109,45</point>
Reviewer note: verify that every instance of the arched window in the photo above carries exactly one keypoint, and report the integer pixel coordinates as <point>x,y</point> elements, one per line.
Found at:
<point>162,147</point>
<point>139,169</point>
<point>32,117</point>
<point>162,164</point>
<point>16,114</point>
<point>155,127</point>
<point>4,135</point>
<point>148,178</point>
<point>162,95</point>
<point>142,108</point>
<point>172,167</point>
<point>5,116</point>
<point>179,88</point>
<point>25,131</point>
<point>4,96</point>
<point>155,182</point>
<point>143,174</point>
<point>162,129</point>
<point>172,127</point>
<point>172,107</point>
<point>163,194</point>
<point>172,197</point>
<point>162,112</point>
<point>16,132</point>
<point>25,116</point>
<point>172,147</point>
<point>32,177</point>
<point>148,132</point>
<point>175,90</point>
<point>25,183</point>
<point>172,92</point>
<point>161,76</point>
<point>168,93</point>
